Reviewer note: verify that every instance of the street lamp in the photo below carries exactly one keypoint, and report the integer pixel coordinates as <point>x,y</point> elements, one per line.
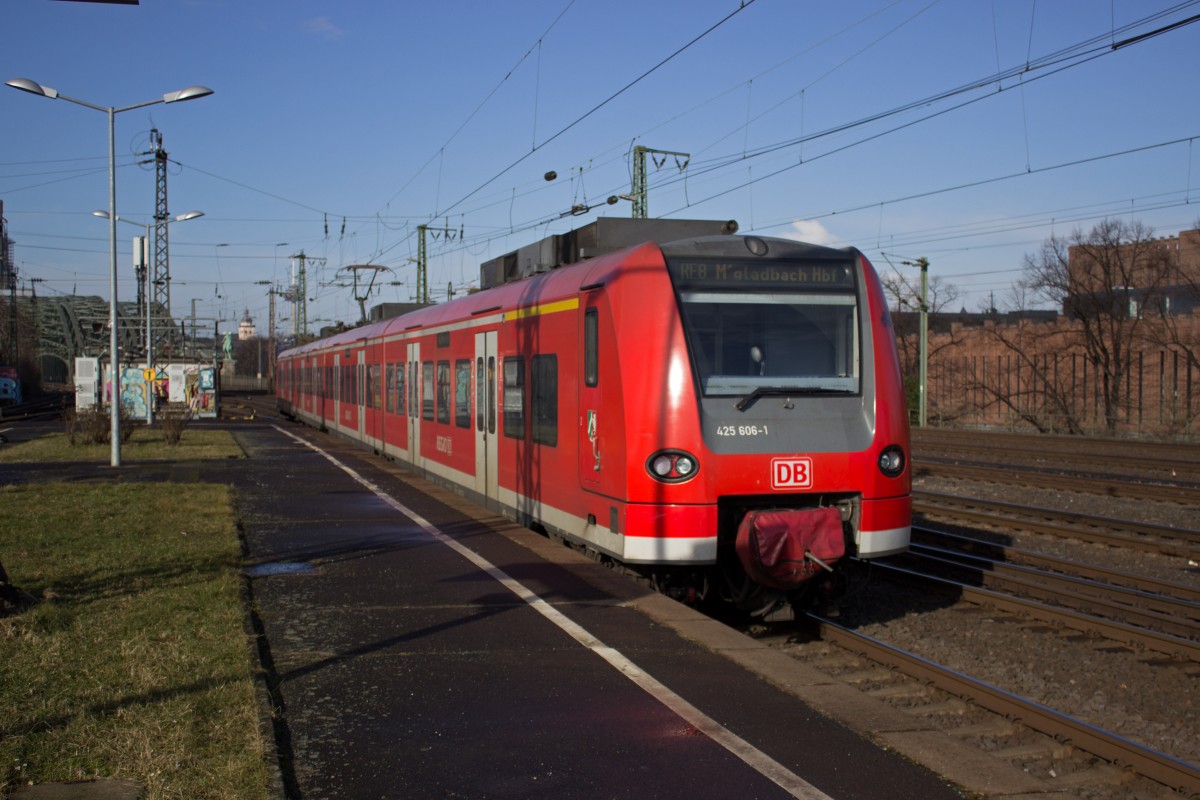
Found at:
<point>190,93</point>
<point>149,298</point>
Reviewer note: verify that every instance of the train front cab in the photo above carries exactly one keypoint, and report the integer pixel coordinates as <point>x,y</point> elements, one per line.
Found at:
<point>774,386</point>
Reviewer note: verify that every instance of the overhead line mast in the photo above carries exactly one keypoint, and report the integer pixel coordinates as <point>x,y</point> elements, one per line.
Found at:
<point>640,190</point>
<point>423,259</point>
<point>160,276</point>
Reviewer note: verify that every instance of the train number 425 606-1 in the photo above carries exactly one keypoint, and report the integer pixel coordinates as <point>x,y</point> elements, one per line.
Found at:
<point>742,430</point>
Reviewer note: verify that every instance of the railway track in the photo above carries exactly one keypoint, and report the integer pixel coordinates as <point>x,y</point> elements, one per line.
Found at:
<point>44,408</point>
<point>1130,616</point>
<point>1004,555</point>
<point>1066,737</point>
<point>1055,602</point>
<point>1123,454</point>
<point>1146,536</point>
<point>1105,484</point>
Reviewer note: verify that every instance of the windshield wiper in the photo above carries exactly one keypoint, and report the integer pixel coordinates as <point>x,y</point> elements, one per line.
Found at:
<point>780,391</point>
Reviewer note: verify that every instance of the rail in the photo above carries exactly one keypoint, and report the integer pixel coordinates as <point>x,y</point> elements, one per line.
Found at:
<point>1153,764</point>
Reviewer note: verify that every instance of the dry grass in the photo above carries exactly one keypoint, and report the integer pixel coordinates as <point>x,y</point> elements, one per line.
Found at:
<point>146,444</point>
<point>134,662</point>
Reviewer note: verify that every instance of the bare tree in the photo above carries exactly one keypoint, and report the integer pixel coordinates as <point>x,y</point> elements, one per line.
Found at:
<point>1105,281</point>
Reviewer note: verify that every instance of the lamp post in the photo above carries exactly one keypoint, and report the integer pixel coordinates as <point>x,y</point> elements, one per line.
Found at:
<point>149,301</point>
<point>190,93</point>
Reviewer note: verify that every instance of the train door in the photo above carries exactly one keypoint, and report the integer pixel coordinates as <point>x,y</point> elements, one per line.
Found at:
<point>336,389</point>
<point>414,403</point>
<point>591,422</point>
<point>487,461</point>
<point>360,374</point>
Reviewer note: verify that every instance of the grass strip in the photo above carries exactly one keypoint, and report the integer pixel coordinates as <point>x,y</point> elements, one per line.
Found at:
<point>145,444</point>
<point>134,662</point>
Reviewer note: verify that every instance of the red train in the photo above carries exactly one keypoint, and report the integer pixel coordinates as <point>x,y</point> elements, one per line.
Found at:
<point>724,412</point>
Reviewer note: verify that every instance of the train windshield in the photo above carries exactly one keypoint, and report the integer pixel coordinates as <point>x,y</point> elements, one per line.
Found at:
<point>783,338</point>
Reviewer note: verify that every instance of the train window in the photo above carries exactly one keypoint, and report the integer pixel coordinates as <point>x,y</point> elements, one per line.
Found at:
<point>427,390</point>
<point>462,393</point>
<point>391,389</point>
<point>544,398</point>
<point>443,392</point>
<point>591,347</point>
<point>377,383</point>
<point>480,400</point>
<point>514,397</point>
<point>748,341</point>
<point>400,390</point>
<point>491,394</point>
<point>370,394</point>
<point>414,384</point>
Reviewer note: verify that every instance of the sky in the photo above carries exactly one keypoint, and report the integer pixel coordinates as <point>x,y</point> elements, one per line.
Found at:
<point>965,132</point>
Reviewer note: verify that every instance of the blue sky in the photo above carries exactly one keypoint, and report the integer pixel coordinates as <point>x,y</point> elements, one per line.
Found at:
<point>335,128</point>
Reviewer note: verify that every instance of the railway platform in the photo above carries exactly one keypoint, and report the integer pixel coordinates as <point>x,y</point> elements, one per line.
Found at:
<point>418,646</point>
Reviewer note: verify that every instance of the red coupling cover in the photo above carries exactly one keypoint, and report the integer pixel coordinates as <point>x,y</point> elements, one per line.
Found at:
<point>772,544</point>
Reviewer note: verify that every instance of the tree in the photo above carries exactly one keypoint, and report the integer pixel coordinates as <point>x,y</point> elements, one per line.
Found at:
<point>1106,281</point>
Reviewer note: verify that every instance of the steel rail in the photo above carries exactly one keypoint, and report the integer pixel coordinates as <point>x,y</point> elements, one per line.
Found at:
<point>1164,467</point>
<point>1079,447</point>
<point>1113,486</point>
<point>1066,617</point>
<point>1174,617</point>
<point>1153,538</point>
<point>1158,766</point>
<point>1016,555</point>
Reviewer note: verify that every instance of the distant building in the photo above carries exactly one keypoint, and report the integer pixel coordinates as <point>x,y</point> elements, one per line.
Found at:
<point>246,327</point>
<point>1162,274</point>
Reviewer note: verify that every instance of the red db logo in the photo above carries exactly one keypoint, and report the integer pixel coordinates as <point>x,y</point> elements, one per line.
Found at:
<point>791,473</point>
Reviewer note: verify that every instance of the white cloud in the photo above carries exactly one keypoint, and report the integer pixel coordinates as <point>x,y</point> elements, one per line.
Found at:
<point>812,232</point>
<point>324,27</point>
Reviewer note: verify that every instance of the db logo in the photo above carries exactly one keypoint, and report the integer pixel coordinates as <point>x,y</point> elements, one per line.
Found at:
<point>791,473</point>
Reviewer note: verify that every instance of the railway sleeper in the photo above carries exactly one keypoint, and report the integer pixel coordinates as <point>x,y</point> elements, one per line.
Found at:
<point>1043,748</point>
<point>907,690</point>
<point>1101,774</point>
<point>869,675</point>
<point>944,708</point>
<point>996,726</point>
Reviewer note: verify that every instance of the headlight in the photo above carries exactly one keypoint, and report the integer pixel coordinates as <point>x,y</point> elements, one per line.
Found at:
<point>672,466</point>
<point>891,460</point>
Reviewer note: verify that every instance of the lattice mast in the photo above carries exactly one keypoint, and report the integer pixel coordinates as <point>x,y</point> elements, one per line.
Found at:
<point>299,296</point>
<point>640,190</point>
<point>423,256</point>
<point>160,274</point>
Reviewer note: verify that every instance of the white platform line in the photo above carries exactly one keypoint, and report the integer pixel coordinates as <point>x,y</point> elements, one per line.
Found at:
<point>762,763</point>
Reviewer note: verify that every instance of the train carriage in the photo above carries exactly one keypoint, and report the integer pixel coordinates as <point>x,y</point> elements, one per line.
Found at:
<point>724,413</point>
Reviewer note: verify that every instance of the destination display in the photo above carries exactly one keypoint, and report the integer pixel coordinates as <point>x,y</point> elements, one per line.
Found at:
<point>697,273</point>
